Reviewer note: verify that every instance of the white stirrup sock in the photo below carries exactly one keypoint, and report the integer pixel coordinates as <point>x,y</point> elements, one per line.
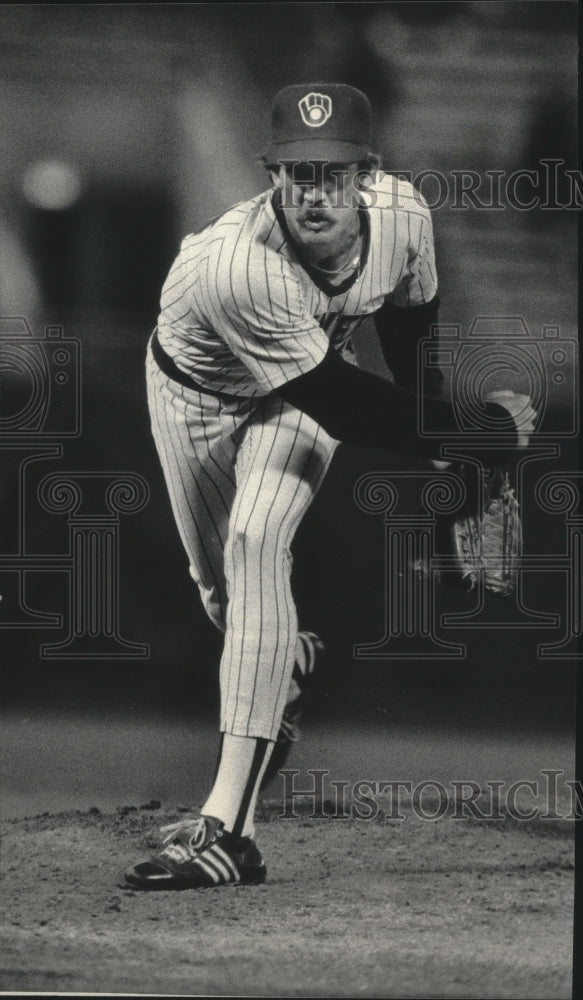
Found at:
<point>233,798</point>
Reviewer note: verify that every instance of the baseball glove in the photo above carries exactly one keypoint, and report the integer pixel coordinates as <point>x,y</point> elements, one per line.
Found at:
<point>483,540</point>
<point>486,538</point>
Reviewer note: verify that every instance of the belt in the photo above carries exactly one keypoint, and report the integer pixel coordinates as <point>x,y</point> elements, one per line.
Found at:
<point>167,365</point>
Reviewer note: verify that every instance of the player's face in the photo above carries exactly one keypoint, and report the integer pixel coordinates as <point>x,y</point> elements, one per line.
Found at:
<point>320,201</point>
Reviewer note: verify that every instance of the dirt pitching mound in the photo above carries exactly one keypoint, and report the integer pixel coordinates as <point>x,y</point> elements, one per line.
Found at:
<point>384,908</point>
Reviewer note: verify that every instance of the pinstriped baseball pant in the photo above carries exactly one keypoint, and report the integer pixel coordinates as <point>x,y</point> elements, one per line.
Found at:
<point>240,475</point>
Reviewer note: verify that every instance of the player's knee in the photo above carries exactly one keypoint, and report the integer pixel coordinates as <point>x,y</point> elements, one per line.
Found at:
<point>251,541</point>
<point>245,540</point>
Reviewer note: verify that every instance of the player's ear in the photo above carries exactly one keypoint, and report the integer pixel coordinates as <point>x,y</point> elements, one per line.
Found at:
<point>276,173</point>
<point>370,165</point>
<point>274,170</point>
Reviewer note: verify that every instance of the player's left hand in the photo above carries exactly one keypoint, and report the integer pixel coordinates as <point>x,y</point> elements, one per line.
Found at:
<point>520,409</point>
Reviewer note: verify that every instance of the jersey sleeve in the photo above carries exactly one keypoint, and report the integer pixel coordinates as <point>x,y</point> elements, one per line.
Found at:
<point>360,408</point>
<point>401,332</point>
<point>266,324</point>
<point>419,283</point>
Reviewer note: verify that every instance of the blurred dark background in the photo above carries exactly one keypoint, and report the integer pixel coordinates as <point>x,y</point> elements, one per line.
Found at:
<point>124,128</point>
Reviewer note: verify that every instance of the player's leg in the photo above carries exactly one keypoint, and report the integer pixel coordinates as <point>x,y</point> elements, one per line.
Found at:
<point>197,437</point>
<point>197,450</point>
<point>309,652</point>
<point>280,465</point>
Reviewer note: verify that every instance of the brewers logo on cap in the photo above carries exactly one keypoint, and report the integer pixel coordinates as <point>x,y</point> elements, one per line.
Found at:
<point>315,109</point>
<point>333,123</point>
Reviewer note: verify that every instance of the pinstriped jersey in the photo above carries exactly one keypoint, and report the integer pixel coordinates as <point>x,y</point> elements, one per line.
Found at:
<point>240,313</point>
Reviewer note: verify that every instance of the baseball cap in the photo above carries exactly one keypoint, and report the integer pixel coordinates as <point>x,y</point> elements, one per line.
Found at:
<point>320,121</point>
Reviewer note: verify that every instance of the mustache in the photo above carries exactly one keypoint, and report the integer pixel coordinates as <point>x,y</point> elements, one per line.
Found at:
<point>316,214</point>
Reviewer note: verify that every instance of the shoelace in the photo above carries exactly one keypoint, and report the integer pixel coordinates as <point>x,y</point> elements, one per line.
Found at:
<point>191,829</point>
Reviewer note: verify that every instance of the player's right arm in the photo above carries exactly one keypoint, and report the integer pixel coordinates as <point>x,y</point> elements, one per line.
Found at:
<point>359,408</point>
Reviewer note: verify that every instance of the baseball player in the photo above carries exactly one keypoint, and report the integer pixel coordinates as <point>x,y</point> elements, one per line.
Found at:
<point>252,383</point>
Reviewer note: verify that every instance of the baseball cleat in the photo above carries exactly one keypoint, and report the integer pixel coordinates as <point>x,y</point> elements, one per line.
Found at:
<point>310,648</point>
<point>198,854</point>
